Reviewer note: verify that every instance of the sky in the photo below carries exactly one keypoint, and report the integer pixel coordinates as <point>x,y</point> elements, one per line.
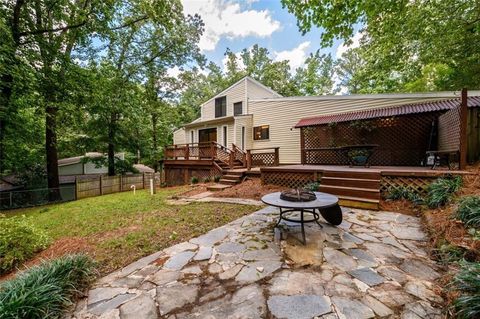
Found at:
<point>239,24</point>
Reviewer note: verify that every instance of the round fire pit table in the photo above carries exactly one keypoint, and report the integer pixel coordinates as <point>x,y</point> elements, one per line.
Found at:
<point>326,204</point>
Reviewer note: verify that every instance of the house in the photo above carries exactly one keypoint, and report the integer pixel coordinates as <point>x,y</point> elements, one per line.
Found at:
<point>80,165</point>
<point>253,116</point>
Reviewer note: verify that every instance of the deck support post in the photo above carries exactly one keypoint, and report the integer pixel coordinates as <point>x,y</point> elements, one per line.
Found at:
<point>100,183</point>
<point>187,152</point>
<point>277,156</point>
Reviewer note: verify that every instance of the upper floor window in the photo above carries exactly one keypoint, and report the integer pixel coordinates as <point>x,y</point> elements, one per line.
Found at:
<point>238,108</point>
<point>261,132</point>
<point>221,106</point>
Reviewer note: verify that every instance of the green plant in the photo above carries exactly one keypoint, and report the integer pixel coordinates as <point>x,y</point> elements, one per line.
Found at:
<point>313,186</point>
<point>46,290</point>
<point>19,241</point>
<point>217,178</point>
<point>467,281</point>
<point>441,191</point>
<point>194,180</point>
<point>469,211</point>
<point>206,180</point>
<point>358,152</point>
<point>402,192</point>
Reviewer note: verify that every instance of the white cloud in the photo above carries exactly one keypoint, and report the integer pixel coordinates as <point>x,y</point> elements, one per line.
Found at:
<point>342,48</point>
<point>296,56</point>
<point>227,19</point>
<point>174,72</point>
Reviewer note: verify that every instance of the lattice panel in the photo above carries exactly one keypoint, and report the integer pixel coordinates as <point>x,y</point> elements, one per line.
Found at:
<point>402,140</point>
<point>287,179</point>
<point>263,159</point>
<point>449,130</point>
<point>416,185</point>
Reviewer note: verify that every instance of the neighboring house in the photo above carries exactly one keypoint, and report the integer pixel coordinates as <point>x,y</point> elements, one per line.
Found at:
<point>79,165</point>
<point>252,116</point>
<point>143,168</point>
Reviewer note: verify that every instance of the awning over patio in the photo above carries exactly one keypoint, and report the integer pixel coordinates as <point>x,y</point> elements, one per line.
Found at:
<point>443,105</point>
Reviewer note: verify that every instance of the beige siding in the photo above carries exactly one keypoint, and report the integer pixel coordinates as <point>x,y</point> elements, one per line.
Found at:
<point>244,121</point>
<point>234,94</point>
<point>72,169</point>
<point>179,136</point>
<point>282,115</point>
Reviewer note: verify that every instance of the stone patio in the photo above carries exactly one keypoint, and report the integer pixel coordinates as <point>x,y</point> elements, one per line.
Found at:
<point>373,265</point>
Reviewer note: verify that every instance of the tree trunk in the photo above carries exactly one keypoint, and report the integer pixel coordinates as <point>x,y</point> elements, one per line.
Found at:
<point>51,150</point>
<point>155,143</point>
<point>111,145</point>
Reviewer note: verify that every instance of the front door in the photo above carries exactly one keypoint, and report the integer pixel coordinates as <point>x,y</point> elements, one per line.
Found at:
<point>207,135</point>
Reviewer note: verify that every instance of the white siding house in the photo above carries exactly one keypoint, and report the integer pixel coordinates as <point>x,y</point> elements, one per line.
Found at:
<point>267,120</point>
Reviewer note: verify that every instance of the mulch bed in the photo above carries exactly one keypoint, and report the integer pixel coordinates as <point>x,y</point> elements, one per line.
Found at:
<point>251,188</point>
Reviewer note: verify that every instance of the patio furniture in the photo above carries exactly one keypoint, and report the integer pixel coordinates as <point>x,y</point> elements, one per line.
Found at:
<point>326,204</point>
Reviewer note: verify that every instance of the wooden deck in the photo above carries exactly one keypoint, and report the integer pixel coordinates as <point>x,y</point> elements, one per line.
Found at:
<point>382,170</point>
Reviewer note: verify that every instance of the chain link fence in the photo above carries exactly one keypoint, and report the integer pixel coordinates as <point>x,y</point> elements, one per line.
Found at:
<point>36,197</point>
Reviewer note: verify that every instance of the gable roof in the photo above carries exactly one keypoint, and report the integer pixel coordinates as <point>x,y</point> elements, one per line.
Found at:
<point>405,109</point>
<point>245,78</point>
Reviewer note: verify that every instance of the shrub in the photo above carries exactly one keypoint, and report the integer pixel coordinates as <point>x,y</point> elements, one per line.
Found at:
<point>467,281</point>
<point>441,191</point>
<point>194,180</point>
<point>313,186</point>
<point>206,180</point>
<point>19,241</point>
<point>45,291</point>
<point>402,192</point>
<point>469,211</point>
<point>217,178</point>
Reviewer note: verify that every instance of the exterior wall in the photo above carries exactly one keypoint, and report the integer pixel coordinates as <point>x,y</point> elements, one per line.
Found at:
<point>91,169</point>
<point>179,136</point>
<point>72,169</point>
<point>244,121</point>
<point>234,94</point>
<point>255,91</point>
<point>283,114</point>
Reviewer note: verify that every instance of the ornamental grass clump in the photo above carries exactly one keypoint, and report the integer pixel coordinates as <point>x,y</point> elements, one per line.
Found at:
<point>467,281</point>
<point>402,192</point>
<point>441,191</point>
<point>46,290</point>
<point>313,186</point>
<point>19,241</point>
<point>469,211</point>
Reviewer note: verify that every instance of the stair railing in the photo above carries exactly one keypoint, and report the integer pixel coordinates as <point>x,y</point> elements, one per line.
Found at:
<point>260,157</point>
<point>239,155</point>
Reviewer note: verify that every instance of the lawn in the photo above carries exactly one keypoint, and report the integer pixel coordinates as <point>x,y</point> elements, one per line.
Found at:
<point>118,229</point>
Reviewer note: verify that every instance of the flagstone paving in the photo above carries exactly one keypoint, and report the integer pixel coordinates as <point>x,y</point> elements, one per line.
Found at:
<point>373,265</point>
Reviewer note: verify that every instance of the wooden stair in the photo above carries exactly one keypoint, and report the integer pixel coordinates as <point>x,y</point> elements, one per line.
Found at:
<point>353,188</point>
<point>231,177</point>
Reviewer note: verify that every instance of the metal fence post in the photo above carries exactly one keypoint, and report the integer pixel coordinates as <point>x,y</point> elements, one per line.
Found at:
<point>11,199</point>
<point>143,180</point>
<point>76,187</point>
<point>121,183</point>
<point>101,185</point>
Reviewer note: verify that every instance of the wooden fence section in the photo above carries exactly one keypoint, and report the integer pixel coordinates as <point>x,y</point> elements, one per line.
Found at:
<point>104,185</point>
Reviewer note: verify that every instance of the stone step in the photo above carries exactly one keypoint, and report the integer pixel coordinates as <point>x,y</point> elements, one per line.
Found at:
<point>217,187</point>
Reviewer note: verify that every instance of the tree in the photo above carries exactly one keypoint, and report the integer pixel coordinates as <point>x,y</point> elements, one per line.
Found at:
<point>317,77</point>
<point>402,38</point>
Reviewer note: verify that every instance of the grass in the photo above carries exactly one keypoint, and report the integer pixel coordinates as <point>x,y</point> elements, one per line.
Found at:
<point>45,291</point>
<point>441,191</point>
<point>469,211</point>
<point>118,229</point>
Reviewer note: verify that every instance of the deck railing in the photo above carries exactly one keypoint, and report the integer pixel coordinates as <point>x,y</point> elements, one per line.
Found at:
<point>239,155</point>
<point>260,157</point>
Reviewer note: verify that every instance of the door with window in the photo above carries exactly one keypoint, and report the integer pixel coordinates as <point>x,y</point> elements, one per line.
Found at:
<point>205,136</point>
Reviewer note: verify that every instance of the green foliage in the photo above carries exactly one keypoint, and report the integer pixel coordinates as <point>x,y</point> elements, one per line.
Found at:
<point>441,191</point>
<point>206,180</point>
<point>467,281</point>
<point>468,211</point>
<point>313,186</point>
<point>402,192</point>
<point>45,291</point>
<point>19,241</point>
<point>217,178</point>
<point>194,180</point>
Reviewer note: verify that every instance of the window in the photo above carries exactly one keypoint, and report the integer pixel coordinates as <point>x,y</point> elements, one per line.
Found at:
<point>224,136</point>
<point>237,108</point>
<point>261,132</point>
<point>221,106</point>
